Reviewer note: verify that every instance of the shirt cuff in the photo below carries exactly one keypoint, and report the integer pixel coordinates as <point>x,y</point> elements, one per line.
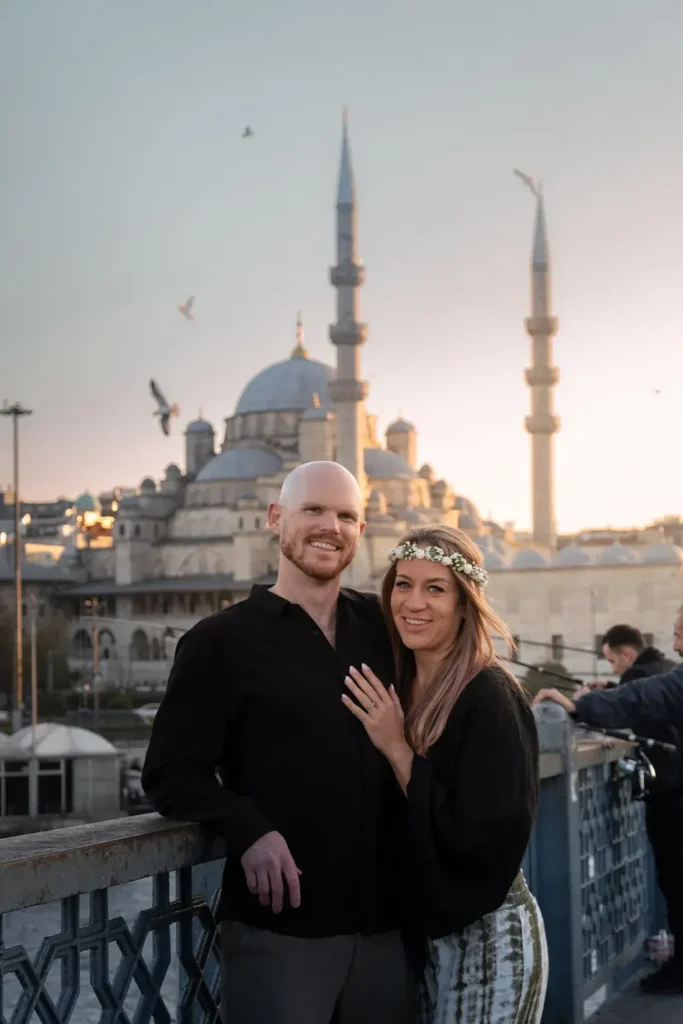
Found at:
<point>241,830</point>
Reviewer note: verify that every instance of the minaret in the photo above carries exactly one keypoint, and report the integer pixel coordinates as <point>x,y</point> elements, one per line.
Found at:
<point>542,377</point>
<point>348,392</point>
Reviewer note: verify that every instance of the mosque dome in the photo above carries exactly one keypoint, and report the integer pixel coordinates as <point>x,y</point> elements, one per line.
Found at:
<point>148,485</point>
<point>173,472</point>
<point>54,740</point>
<point>287,386</point>
<point>86,503</point>
<point>199,426</point>
<point>239,464</point>
<point>381,464</point>
<point>463,504</point>
<point>571,557</point>
<point>529,558</point>
<point>617,554</point>
<point>493,560</point>
<point>663,554</point>
<point>401,426</point>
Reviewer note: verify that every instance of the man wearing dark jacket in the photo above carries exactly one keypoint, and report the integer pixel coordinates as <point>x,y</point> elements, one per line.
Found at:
<point>252,740</point>
<point>651,705</point>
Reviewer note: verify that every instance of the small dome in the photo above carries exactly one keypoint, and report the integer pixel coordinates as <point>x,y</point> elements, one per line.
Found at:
<point>199,426</point>
<point>86,503</point>
<point>426,472</point>
<point>616,554</point>
<point>287,386</point>
<point>440,487</point>
<point>463,504</point>
<point>492,560</point>
<point>663,554</point>
<point>468,521</point>
<point>10,749</point>
<point>148,485</point>
<point>571,557</point>
<point>529,559</point>
<point>240,464</point>
<point>173,472</point>
<point>53,740</point>
<point>381,464</point>
<point>400,426</point>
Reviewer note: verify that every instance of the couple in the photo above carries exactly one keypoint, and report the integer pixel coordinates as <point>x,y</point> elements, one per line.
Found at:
<point>374,772</point>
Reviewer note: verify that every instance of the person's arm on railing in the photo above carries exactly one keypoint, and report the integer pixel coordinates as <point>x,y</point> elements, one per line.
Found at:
<point>656,700</point>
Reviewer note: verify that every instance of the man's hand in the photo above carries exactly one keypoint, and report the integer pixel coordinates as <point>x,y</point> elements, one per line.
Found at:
<point>597,684</point>
<point>267,865</point>
<point>558,697</point>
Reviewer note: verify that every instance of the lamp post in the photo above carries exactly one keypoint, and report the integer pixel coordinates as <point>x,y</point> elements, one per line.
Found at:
<point>16,411</point>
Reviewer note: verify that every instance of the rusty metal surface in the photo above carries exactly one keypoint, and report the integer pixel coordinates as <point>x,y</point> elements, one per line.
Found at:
<point>46,866</point>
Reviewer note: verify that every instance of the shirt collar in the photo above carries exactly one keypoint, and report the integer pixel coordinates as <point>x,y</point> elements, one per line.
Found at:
<point>276,606</point>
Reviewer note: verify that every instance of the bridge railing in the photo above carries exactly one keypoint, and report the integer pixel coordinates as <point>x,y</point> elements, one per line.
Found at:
<point>123,912</point>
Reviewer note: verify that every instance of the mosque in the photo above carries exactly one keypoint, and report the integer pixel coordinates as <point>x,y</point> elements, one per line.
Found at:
<point>196,541</point>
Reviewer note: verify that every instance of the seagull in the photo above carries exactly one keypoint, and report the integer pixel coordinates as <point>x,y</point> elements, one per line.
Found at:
<point>165,411</point>
<point>186,310</point>
<point>529,182</point>
<point>247,133</point>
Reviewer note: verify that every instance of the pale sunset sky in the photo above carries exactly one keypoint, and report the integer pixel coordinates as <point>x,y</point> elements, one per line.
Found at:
<point>125,186</point>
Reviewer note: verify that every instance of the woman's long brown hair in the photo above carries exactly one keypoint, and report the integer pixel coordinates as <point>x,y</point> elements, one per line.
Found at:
<point>472,649</point>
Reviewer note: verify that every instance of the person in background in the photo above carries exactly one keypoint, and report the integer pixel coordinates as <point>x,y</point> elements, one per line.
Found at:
<point>629,658</point>
<point>460,736</point>
<point>307,806</point>
<point>651,705</point>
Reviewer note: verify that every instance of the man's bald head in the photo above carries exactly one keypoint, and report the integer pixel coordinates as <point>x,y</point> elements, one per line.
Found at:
<point>319,519</point>
<point>312,476</point>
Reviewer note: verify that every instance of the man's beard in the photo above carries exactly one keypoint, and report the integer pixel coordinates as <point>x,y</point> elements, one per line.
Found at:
<point>296,554</point>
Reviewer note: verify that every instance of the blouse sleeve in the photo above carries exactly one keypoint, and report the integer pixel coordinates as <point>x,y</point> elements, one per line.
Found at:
<point>470,825</point>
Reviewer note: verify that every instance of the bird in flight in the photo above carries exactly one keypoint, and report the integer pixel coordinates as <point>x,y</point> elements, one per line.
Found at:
<point>534,188</point>
<point>165,411</point>
<point>247,133</point>
<point>186,310</point>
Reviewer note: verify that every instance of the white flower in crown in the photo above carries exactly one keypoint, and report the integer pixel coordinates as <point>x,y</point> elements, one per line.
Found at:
<point>456,562</point>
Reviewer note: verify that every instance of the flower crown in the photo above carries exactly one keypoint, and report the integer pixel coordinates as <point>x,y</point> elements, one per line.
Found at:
<point>407,552</point>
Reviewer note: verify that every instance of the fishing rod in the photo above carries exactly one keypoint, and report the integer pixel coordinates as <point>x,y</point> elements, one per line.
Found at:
<point>520,640</point>
<point>546,672</point>
<point>630,737</point>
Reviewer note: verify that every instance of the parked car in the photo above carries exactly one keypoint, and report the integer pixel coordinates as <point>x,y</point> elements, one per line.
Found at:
<point>147,712</point>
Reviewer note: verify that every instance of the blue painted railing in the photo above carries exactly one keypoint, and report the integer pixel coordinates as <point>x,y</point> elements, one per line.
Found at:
<point>587,863</point>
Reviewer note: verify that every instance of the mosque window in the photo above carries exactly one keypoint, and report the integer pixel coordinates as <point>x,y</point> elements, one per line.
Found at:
<point>257,523</point>
<point>517,644</point>
<point>557,646</point>
<point>156,530</point>
<point>598,645</point>
<point>649,639</point>
<point>122,529</point>
<point>240,523</point>
<point>137,530</point>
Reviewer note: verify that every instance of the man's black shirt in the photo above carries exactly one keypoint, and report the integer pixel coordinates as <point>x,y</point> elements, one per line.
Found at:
<point>255,693</point>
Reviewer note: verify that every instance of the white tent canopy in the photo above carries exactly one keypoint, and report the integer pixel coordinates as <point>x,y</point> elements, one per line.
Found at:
<point>49,739</point>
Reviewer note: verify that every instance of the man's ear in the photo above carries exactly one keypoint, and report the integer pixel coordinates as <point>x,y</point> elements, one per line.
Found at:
<point>274,516</point>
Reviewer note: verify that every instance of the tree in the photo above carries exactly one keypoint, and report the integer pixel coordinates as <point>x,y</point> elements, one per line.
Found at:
<point>539,678</point>
<point>51,654</point>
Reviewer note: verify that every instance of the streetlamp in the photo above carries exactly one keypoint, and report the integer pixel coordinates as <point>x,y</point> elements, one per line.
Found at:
<point>16,411</point>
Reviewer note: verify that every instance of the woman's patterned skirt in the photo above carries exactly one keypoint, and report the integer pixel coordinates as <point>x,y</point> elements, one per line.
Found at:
<point>494,972</point>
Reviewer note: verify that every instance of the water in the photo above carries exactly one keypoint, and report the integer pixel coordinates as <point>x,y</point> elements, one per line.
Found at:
<point>29,927</point>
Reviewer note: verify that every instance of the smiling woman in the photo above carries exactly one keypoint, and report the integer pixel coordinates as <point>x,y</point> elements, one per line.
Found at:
<point>461,739</point>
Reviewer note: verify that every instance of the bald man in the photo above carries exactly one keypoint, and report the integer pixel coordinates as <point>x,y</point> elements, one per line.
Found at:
<point>307,806</point>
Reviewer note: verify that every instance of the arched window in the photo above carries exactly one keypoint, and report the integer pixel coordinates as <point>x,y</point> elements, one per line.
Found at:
<point>240,523</point>
<point>257,523</point>
<point>139,646</point>
<point>81,642</point>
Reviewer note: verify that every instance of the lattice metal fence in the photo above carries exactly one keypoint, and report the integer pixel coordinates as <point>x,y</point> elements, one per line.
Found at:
<point>161,965</point>
<point>615,897</point>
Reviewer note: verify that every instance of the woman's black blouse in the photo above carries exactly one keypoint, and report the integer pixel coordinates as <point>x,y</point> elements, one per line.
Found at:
<point>472,802</point>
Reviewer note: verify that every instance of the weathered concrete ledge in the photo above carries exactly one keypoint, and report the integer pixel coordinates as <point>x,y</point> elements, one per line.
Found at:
<point>47,866</point>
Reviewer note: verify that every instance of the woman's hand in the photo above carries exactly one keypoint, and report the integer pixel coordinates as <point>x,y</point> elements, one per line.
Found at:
<point>378,709</point>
